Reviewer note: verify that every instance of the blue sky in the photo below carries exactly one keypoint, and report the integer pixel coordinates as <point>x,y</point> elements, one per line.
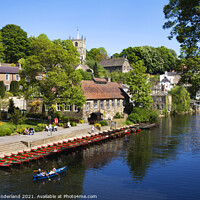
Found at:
<point>112,24</point>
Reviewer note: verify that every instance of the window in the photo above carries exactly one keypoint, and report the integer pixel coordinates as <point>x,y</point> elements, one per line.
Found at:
<point>67,108</point>
<point>87,105</point>
<point>75,108</point>
<point>7,87</point>
<point>123,103</point>
<point>95,104</point>
<point>113,103</point>
<point>107,104</point>
<point>76,44</point>
<point>17,77</point>
<point>101,104</point>
<point>58,107</point>
<point>7,77</point>
<point>118,103</point>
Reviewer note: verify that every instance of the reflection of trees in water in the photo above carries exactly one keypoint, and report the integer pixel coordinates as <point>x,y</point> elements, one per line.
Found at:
<point>155,145</point>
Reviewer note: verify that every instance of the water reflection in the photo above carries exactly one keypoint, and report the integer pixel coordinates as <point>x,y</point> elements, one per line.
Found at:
<point>141,165</point>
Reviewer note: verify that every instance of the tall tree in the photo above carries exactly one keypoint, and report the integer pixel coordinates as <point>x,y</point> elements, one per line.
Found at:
<point>139,87</point>
<point>1,48</point>
<point>97,54</point>
<point>15,43</point>
<point>184,19</point>
<point>60,82</point>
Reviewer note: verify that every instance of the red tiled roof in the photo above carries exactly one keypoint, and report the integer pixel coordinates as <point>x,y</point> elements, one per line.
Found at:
<point>110,90</point>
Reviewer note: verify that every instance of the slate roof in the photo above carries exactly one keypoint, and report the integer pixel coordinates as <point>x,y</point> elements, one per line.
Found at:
<point>110,90</point>
<point>112,62</point>
<point>165,79</point>
<point>9,70</point>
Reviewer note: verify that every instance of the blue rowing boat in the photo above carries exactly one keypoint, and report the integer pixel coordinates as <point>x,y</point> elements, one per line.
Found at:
<point>49,175</point>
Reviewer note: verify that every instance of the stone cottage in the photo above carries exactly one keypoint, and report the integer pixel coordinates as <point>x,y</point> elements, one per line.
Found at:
<point>116,64</point>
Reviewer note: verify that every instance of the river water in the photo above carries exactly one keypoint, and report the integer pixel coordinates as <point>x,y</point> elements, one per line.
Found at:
<point>159,164</point>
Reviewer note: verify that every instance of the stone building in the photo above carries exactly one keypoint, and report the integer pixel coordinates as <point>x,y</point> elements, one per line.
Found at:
<point>9,74</point>
<point>116,64</point>
<point>80,44</point>
<point>103,98</point>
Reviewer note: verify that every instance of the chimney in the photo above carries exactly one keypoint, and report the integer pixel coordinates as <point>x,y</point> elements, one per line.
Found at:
<point>108,79</point>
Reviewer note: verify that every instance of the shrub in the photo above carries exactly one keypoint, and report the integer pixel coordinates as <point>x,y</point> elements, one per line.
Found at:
<point>41,125</point>
<point>117,116</point>
<point>38,128</point>
<point>2,89</point>
<point>153,116</point>
<point>60,124</point>
<point>81,121</point>
<point>14,87</point>
<point>20,130</point>
<point>134,117</point>
<point>5,131</point>
<point>97,125</point>
<point>73,123</point>
<point>103,123</point>
<point>65,119</point>
<point>74,120</point>
<point>129,122</point>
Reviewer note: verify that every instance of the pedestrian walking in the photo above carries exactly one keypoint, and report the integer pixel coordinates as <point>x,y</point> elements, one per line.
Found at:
<point>92,129</point>
<point>50,129</point>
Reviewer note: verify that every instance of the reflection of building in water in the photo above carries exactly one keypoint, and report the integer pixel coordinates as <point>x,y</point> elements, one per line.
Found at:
<point>98,155</point>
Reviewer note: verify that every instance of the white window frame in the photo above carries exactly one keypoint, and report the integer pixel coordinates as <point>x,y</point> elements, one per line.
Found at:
<point>67,108</point>
<point>58,108</point>
<point>75,108</point>
<point>118,102</point>
<point>107,104</point>
<point>7,86</point>
<point>7,77</point>
<point>88,105</point>
<point>113,103</point>
<point>102,104</point>
<point>95,104</point>
<point>17,77</point>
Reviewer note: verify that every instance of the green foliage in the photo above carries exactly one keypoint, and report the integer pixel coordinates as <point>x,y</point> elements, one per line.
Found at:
<point>139,87</point>
<point>183,20</point>
<point>180,99</point>
<point>59,78</point>
<point>128,122</point>
<point>156,60</point>
<point>15,43</point>
<point>96,54</point>
<point>1,49</point>
<point>117,116</point>
<point>139,115</point>
<point>73,123</point>
<point>17,117</point>
<point>103,123</point>
<point>14,87</point>
<point>119,76</point>
<point>85,75</point>
<point>101,71</point>
<point>11,106</point>
<point>2,89</point>
<point>5,131</point>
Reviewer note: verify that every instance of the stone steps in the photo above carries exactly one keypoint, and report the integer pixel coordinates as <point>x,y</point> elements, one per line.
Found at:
<point>11,147</point>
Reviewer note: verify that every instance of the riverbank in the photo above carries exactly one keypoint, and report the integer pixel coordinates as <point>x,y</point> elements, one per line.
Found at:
<point>15,143</point>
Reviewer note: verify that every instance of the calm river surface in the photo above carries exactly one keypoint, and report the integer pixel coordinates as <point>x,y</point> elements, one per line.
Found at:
<point>158,164</point>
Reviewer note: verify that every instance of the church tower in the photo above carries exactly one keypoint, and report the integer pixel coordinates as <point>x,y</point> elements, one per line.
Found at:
<point>80,45</point>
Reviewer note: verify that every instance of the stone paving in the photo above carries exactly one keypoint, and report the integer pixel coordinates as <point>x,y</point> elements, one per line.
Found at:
<point>10,144</point>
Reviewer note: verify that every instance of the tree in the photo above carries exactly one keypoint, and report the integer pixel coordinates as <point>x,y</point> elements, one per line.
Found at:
<point>95,70</point>
<point>1,49</point>
<point>59,82</point>
<point>180,99</point>
<point>14,87</point>
<point>15,43</point>
<point>11,106</point>
<point>17,117</point>
<point>183,18</point>
<point>2,89</point>
<point>85,75</point>
<point>97,54</point>
<point>138,86</point>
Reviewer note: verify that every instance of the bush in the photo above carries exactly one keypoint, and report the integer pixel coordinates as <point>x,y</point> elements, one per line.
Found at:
<point>103,123</point>
<point>5,131</point>
<point>60,124</point>
<point>97,125</point>
<point>117,116</point>
<point>129,122</point>
<point>73,123</point>
<point>153,116</point>
<point>81,121</point>
<point>134,117</point>
<point>41,125</point>
<point>65,119</point>
<point>74,120</point>
<point>38,129</point>
<point>20,130</point>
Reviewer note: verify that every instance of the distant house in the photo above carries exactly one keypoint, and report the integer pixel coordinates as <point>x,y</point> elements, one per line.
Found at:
<point>169,80</point>
<point>84,68</point>
<point>103,99</point>
<point>9,74</point>
<point>116,64</point>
